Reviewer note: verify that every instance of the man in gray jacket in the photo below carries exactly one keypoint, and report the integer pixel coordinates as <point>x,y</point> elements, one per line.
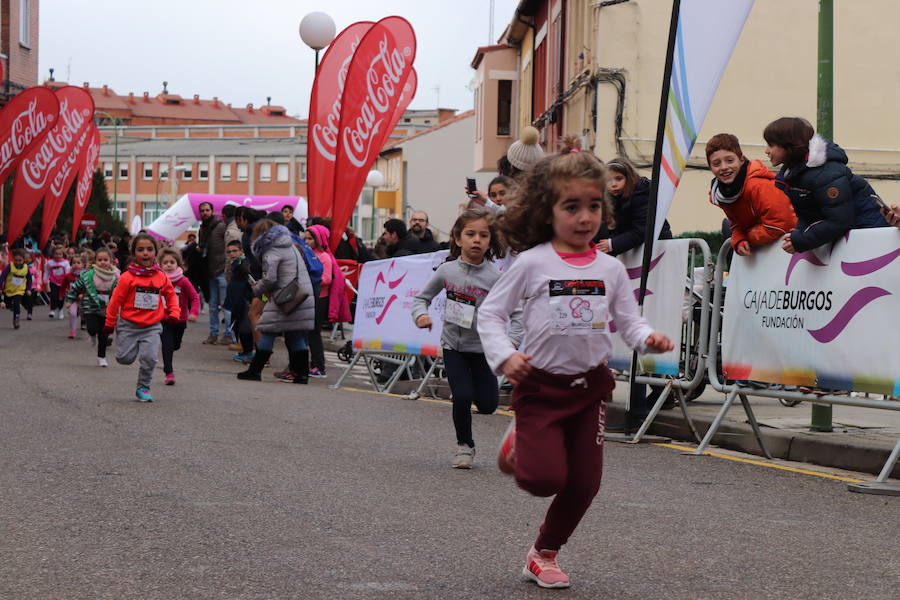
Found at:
<point>212,245</point>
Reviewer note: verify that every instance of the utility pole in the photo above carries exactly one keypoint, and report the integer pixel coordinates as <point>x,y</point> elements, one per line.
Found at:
<point>821,413</point>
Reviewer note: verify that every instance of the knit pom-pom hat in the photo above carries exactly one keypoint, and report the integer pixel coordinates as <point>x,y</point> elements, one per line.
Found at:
<point>525,152</point>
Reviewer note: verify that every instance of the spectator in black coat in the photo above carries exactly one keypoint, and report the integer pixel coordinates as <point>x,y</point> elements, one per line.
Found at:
<point>827,196</point>
<point>287,212</point>
<point>630,195</point>
<point>400,241</point>
<point>418,226</point>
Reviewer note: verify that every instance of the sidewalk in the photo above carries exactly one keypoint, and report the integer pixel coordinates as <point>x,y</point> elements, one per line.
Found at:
<point>861,441</point>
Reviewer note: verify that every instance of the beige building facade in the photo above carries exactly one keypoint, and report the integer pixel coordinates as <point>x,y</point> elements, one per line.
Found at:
<point>610,56</point>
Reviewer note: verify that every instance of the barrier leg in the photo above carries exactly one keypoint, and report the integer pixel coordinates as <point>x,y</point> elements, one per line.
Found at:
<point>337,384</point>
<point>426,379</point>
<point>657,406</point>
<point>714,426</point>
<point>404,366</point>
<point>756,431</point>
<point>881,485</point>
<point>682,403</point>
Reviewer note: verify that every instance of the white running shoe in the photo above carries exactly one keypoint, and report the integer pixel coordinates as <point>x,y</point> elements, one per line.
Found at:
<point>101,362</point>
<point>60,314</point>
<point>464,457</point>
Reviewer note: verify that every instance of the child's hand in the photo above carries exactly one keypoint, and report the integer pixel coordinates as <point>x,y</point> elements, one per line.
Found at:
<point>192,318</point>
<point>424,322</point>
<point>109,329</point>
<point>67,306</point>
<point>787,246</point>
<point>171,320</point>
<point>743,249</point>
<point>2,305</point>
<point>603,246</point>
<point>27,292</point>
<point>657,342</point>
<point>516,367</point>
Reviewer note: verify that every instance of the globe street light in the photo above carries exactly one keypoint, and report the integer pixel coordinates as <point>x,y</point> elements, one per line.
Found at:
<point>375,179</point>
<point>317,31</point>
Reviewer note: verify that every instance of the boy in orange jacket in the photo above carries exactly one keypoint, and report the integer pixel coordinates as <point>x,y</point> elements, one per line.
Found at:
<point>759,212</point>
<point>142,299</point>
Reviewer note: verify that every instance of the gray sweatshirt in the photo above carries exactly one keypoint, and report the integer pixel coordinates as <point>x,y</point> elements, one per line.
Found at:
<point>467,286</point>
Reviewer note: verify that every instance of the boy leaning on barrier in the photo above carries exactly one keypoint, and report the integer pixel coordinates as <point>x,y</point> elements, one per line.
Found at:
<point>745,189</point>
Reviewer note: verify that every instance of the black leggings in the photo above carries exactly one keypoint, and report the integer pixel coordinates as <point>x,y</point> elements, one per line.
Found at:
<point>56,302</point>
<point>14,303</point>
<point>471,382</point>
<point>316,349</point>
<point>94,323</point>
<point>171,336</point>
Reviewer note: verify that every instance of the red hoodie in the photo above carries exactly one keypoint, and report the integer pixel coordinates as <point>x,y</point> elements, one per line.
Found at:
<point>138,299</point>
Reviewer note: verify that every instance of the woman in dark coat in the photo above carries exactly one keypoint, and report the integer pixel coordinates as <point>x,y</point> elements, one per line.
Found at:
<point>281,264</point>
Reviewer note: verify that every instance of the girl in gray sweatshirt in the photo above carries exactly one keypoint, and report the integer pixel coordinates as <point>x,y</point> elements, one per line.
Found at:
<point>467,281</point>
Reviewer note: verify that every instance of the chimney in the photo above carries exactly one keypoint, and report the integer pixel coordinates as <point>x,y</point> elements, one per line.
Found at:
<point>105,90</point>
<point>51,75</point>
<point>165,84</point>
<point>215,102</point>
<point>250,107</point>
<point>268,100</point>
<point>87,85</point>
<point>130,97</point>
<point>196,98</point>
<point>147,97</point>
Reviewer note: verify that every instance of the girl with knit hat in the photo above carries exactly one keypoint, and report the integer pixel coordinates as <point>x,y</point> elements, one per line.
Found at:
<point>95,286</point>
<point>188,302</point>
<point>525,152</point>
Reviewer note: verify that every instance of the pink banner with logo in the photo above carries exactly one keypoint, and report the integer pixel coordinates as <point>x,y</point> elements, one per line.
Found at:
<point>46,167</point>
<point>325,117</point>
<point>23,124</point>
<point>86,177</point>
<point>379,70</point>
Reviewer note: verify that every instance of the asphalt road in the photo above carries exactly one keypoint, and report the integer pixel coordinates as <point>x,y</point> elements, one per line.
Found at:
<point>229,489</point>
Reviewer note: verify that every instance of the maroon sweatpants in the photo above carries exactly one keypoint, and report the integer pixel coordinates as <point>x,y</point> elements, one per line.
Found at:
<point>560,423</point>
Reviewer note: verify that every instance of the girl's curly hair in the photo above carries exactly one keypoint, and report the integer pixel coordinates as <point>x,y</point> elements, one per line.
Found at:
<point>527,221</point>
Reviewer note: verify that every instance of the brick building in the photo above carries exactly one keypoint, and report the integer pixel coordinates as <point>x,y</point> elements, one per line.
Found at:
<point>19,46</point>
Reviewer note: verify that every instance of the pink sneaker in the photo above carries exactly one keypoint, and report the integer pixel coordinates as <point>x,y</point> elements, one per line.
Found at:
<point>506,458</point>
<point>71,335</point>
<point>170,379</point>
<point>541,567</point>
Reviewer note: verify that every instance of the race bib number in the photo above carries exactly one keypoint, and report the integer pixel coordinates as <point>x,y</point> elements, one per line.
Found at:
<point>460,309</point>
<point>578,306</point>
<point>17,280</point>
<point>59,271</point>
<point>146,298</point>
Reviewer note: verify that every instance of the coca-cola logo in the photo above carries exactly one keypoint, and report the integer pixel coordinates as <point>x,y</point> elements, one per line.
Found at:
<point>25,128</point>
<point>325,138</point>
<point>36,169</point>
<point>384,74</point>
<point>58,185</point>
<point>85,181</point>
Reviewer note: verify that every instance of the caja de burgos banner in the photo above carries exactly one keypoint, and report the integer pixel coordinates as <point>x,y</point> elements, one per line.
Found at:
<point>383,320</point>
<point>663,304</point>
<point>185,212</point>
<point>825,318</point>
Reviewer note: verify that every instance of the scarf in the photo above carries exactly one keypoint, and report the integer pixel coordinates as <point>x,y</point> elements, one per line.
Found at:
<point>141,271</point>
<point>102,274</point>
<point>175,275</point>
<point>728,193</point>
<point>338,302</point>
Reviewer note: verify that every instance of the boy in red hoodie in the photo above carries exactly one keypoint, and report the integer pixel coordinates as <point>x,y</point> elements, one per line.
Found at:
<point>143,298</point>
<point>759,212</point>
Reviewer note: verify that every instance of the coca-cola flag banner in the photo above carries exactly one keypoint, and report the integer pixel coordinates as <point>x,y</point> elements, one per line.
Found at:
<point>86,177</point>
<point>325,116</point>
<point>63,173</point>
<point>23,124</point>
<point>378,73</point>
<point>47,163</point>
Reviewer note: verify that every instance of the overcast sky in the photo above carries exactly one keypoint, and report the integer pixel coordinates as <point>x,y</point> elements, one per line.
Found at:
<point>244,51</point>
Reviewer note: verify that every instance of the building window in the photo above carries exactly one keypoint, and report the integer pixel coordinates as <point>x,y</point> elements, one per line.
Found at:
<point>123,170</point>
<point>302,171</point>
<point>152,211</point>
<point>243,171</point>
<point>121,210</point>
<point>504,106</point>
<point>25,23</point>
<point>203,171</point>
<point>282,170</point>
<point>164,171</point>
<point>265,172</point>
<point>188,172</point>
<point>225,171</point>
<point>107,170</point>
<point>148,171</point>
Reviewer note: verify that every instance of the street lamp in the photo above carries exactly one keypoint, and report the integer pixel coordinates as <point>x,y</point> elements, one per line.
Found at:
<point>175,181</point>
<point>116,121</point>
<point>317,31</point>
<point>375,179</point>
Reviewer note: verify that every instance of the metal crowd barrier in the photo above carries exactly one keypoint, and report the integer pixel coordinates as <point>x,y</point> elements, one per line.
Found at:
<point>737,391</point>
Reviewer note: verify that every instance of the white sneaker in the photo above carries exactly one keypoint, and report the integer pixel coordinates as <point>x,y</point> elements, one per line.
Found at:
<point>60,314</point>
<point>464,457</point>
<point>101,362</point>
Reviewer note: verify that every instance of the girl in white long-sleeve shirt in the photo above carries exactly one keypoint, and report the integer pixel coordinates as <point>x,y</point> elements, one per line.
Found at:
<point>571,292</point>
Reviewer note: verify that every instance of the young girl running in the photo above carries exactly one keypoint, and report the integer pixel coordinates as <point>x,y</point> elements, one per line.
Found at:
<point>15,285</point>
<point>136,310</point>
<point>72,304</point>
<point>189,304</point>
<point>571,292</point>
<point>54,272</point>
<point>95,287</point>
<point>473,242</point>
